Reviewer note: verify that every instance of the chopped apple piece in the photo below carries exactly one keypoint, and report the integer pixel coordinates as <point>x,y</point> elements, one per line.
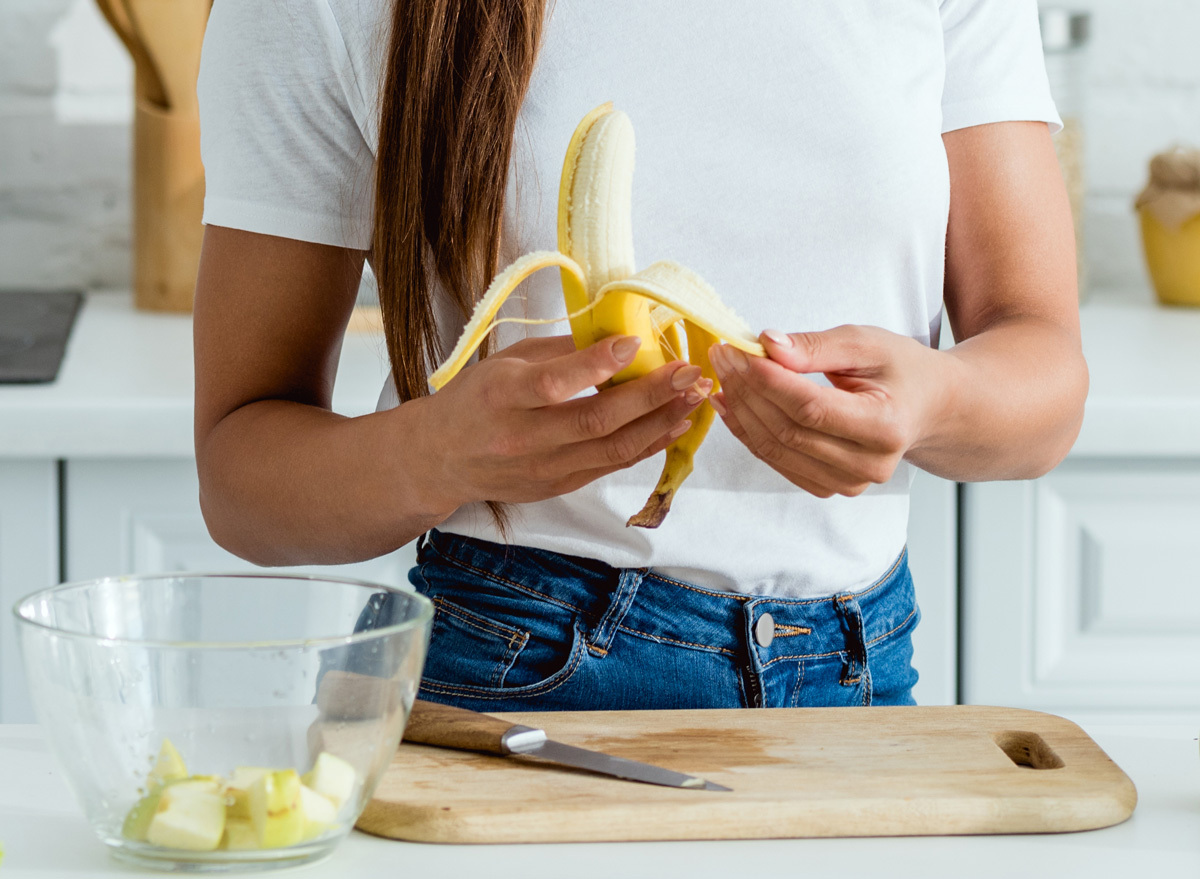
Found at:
<point>190,815</point>
<point>168,766</point>
<point>319,813</point>
<point>275,809</point>
<point>237,797</point>
<point>333,778</point>
<point>256,808</point>
<point>240,835</point>
<point>137,822</point>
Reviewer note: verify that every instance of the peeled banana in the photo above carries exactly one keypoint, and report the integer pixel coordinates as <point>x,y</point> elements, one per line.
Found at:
<point>606,296</point>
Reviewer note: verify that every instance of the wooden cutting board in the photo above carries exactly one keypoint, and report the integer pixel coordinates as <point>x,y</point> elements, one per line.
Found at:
<point>802,772</point>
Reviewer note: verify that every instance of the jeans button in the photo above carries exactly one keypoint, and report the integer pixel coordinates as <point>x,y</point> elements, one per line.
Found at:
<point>764,630</point>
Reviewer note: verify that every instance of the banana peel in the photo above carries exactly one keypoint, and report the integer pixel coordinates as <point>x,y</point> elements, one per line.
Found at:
<point>605,295</point>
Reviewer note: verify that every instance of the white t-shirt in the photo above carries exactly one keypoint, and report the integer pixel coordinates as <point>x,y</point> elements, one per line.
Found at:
<point>790,153</point>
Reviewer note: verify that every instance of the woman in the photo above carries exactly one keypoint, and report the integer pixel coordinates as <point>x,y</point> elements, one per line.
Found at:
<point>834,169</point>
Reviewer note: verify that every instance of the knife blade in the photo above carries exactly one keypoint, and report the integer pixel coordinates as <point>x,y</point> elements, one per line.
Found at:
<point>446,726</point>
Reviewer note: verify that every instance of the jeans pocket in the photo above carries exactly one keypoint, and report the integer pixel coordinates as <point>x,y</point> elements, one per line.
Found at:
<point>465,688</point>
<point>465,646</point>
<point>492,640</point>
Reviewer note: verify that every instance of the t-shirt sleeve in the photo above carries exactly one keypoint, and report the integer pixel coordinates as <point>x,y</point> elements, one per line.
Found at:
<point>995,68</point>
<point>281,125</point>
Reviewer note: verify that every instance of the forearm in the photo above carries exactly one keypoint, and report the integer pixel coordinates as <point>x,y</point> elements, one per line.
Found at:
<point>1012,406</point>
<point>283,483</point>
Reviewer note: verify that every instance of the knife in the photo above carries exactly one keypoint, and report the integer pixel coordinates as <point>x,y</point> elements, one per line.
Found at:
<point>445,726</point>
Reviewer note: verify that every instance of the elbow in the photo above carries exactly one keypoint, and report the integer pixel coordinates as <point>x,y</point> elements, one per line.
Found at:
<point>1065,428</point>
<point>224,505</point>
<point>224,531</point>
<point>226,528</point>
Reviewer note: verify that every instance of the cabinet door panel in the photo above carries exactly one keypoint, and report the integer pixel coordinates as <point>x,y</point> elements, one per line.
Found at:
<point>127,517</point>
<point>28,562</point>
<point>1081,590</point>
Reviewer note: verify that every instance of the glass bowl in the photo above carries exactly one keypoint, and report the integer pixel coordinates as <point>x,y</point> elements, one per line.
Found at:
<point>159,693</point>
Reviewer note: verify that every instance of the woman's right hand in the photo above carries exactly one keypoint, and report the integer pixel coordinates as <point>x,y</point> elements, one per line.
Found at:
<point>506,428</point>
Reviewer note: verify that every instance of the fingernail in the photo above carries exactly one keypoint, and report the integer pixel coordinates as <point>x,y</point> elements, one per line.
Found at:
<point>685,377</point>
<point>720,364</point>
<point>737,360</point>
<point>783,340</point>
<point>705,386</point>
<point>693,397</point>
<point>716,403</point>
<point>626,348</point>
<point>680,430</point>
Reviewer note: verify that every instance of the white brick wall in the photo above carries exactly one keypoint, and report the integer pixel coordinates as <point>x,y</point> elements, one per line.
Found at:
<point>64,147</point>
<point>64,136</point>
<point>1144,97</point>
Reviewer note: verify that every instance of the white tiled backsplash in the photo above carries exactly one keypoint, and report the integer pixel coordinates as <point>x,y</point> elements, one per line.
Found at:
<point>64,136</point>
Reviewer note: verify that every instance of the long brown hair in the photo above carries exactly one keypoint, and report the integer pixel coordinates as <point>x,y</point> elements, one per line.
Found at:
<point>457,72</point>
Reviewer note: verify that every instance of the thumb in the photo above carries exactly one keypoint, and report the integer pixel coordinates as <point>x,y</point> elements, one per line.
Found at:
<point>835,350</point>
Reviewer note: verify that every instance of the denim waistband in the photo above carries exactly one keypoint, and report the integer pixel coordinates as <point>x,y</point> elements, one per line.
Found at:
<point>644,603</point>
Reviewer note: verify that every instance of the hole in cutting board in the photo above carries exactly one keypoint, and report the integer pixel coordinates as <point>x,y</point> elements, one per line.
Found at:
<point>1027,749</point>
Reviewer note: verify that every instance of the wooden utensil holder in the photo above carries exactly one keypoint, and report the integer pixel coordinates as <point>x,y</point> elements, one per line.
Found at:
<point>168,201</point>
<point>164,38</point>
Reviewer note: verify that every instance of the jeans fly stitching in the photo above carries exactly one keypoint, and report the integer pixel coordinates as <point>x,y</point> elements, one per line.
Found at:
<point>799,685</point>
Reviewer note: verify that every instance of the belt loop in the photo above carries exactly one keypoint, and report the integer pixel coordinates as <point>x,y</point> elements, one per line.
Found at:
<point>628,580</point>
<point>850,615</point>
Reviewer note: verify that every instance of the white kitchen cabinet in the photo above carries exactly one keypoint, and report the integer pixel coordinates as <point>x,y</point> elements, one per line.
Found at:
<point>143,516</point>
<point>28,562</point>
<point>1081,589</point>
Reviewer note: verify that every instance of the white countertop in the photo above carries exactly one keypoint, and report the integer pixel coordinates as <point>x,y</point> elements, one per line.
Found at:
<point>1144,360</point>
<point>125,389</point>
<point>126,383</point>
<point>45,834</point>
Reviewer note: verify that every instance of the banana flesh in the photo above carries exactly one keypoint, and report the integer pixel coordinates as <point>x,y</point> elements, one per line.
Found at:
<point>605,295</point>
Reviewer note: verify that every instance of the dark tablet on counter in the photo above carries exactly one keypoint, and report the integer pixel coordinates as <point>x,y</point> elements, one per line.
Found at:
<point>34,327</point>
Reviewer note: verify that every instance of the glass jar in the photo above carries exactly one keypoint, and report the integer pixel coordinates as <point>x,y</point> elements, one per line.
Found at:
<point>1065,36</point>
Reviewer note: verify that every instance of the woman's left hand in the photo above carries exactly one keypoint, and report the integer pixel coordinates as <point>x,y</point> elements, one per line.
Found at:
<point>888,393</point>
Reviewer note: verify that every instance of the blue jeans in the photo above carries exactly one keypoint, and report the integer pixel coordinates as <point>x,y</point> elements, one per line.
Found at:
<point>520,629</point>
